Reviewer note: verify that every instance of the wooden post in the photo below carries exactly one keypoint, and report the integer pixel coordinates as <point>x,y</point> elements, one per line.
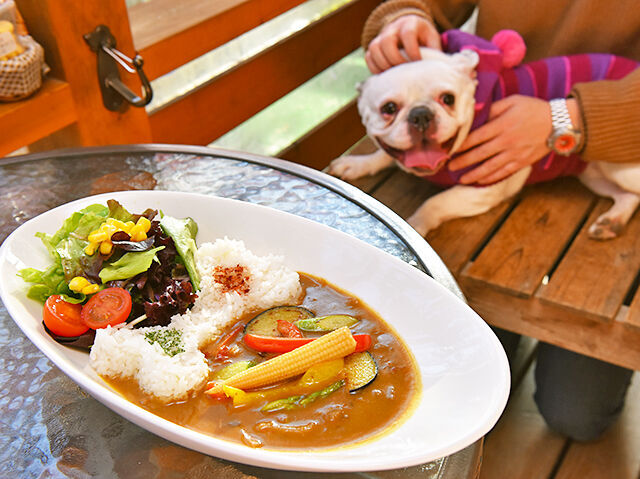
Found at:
<point>59,26</point>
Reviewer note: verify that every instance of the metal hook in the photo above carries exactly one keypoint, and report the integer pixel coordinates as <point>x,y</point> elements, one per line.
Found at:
<point>114,91</point>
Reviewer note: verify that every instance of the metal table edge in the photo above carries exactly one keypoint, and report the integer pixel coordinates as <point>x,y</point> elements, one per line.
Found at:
<point>430,260</point>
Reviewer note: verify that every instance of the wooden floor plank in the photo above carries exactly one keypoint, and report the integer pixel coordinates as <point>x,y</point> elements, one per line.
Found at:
<point>521,446</point>
<point>527,245</point>
<point>595,276</point>
<point>617,454</point>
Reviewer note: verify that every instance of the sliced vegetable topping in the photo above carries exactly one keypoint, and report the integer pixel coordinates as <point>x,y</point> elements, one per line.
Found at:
<point>266,323</point>
<point>295,402</point>
<point>317,377</point>
<point>288,330</point>
<point>269,344</point>
<point>63,318</point>
<point>326,323</point>
<point>108,307</point>
<point>361,370</point>
<point>333,345</point>
<point>232,370</point>
<point>222,348</point>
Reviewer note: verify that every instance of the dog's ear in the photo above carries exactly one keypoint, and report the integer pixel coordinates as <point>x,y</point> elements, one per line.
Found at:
<point>466,61</point>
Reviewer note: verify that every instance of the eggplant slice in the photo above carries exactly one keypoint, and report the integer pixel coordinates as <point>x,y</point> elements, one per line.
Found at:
<point>266,323</point>
<point>361,370</point>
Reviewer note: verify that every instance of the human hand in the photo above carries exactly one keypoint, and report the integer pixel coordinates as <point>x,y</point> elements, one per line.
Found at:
<point>514,137</point>
<point>408,32</point>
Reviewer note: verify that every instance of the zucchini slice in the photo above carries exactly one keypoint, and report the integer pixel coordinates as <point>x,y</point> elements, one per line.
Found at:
<point>361,369</point>
<point>266,323</point>
<point>232,369</point>
<point>326,323</point>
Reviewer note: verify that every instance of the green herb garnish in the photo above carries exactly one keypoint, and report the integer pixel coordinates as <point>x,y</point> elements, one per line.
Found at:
<point>170,340</point>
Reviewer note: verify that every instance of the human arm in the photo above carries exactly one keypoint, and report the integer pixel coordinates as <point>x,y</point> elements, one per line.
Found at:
<point>607,113</point>
<point>406,25</point>
<point>611,116</point>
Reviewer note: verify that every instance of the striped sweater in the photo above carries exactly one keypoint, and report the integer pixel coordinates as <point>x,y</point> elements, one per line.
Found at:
<point>546,79</point>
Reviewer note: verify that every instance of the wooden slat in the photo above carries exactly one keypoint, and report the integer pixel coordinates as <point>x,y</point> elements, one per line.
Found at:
<point>616,454</point>
<point>521,446</point>
<point>404,193</point>
<point>234,97</point>
<point>614,341</point>
<point>47,111</point>
<point>595,276</point>
<point>169,34</point>
<point>458,240</point>
<point>327,140</point>
<point>532,238</point>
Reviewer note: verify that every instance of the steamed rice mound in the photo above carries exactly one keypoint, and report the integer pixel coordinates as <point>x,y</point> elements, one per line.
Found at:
<point>233,282</point>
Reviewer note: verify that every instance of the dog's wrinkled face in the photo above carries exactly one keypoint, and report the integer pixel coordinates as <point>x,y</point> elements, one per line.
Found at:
<point>420,112</point>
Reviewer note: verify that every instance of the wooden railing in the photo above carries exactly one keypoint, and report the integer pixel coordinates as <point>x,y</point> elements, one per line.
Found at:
<point>169,34</point>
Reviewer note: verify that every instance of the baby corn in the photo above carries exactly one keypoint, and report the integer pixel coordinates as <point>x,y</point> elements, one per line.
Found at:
<point>334,345</point>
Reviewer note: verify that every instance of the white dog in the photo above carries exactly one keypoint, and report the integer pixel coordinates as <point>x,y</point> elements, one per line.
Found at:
<point>419,113</point>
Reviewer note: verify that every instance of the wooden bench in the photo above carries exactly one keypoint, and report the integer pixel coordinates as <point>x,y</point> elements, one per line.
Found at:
<point>528,265</point>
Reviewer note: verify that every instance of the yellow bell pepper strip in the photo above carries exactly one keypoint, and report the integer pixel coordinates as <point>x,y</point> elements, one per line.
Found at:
<point>274,344</point>
<point>317,377</point>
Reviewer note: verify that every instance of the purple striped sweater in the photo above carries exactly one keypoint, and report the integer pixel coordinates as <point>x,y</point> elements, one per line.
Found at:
<point>547,79</point>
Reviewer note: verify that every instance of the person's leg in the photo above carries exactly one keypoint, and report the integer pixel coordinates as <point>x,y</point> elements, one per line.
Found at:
<point>578,396</point>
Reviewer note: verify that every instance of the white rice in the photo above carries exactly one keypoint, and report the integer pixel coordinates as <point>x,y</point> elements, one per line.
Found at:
<point>126,353</point>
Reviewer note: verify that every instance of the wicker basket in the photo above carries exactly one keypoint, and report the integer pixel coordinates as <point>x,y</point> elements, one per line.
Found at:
<point>21,75</point>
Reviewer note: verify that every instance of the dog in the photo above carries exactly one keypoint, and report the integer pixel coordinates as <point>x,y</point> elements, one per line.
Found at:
<point>419,113</point>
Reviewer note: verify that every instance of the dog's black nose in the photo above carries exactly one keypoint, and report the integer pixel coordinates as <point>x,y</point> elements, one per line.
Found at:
<point>420,117</point>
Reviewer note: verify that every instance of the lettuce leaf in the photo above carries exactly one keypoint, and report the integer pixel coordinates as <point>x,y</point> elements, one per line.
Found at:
<point>129,265</point>
<point>66,248</point>
<point>183,233</point>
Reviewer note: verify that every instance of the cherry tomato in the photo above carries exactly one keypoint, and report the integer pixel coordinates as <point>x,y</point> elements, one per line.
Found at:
<point>108,307</point>
<point>63,318</point>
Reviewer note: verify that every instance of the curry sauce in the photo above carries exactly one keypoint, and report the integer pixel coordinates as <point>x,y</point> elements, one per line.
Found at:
<point>341,418</point>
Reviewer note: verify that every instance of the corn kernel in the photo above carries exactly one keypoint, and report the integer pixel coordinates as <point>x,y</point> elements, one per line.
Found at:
<point>91,248</point>
<point>106,247</point>
<point>127,226</point>
<point>144,223</point>
<point>77,283</point>
<point>139,236</point>
<point>108,229</point>
<point>117,223</point>
<point>97,237</point>
<point>90,289</point>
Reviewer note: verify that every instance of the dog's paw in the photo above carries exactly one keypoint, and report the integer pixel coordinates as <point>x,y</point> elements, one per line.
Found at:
<point>348,167</point>
<point>419,224</point>
<point>606,228</point>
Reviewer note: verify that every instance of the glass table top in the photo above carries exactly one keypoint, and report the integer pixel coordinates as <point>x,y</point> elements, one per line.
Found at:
<point>50,427</point>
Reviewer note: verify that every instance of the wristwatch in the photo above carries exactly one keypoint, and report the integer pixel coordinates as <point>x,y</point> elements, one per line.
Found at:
<point>565,139</point>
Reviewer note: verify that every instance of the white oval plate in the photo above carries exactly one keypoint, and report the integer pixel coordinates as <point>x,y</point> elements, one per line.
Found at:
<point>463,368</point>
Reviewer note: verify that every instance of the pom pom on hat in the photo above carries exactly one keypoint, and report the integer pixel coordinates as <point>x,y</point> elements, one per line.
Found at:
<point>512,46</point>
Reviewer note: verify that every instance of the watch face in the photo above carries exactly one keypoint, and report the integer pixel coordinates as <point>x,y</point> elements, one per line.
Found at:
<point>565,143</point>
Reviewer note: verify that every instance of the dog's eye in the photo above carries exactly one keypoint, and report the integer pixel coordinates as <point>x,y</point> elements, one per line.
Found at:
<point>389,108</point>
<point>448,99</point>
